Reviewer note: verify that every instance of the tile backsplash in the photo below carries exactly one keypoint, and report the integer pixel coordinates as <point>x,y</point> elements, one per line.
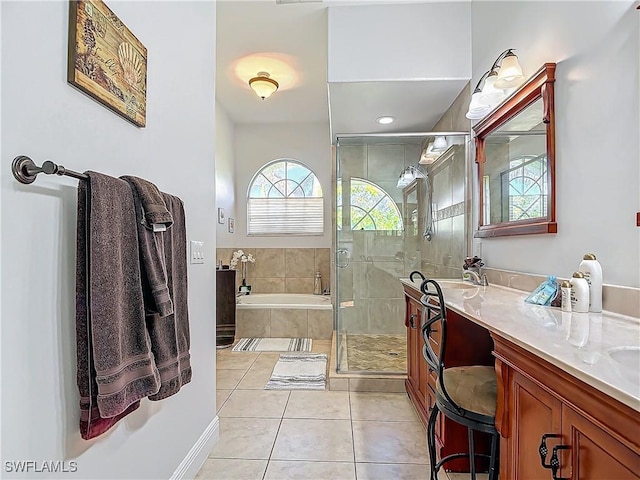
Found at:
<point>282,270</point>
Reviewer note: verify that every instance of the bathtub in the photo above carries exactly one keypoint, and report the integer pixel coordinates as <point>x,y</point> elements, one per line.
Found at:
<point>284,315</point>
<point>284,300</point>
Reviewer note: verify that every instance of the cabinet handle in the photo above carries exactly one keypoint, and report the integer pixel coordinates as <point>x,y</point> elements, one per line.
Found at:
<point>411,319</point>
<point>554,462</point>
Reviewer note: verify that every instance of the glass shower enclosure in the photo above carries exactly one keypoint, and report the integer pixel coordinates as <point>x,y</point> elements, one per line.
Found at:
<point>385,210</point>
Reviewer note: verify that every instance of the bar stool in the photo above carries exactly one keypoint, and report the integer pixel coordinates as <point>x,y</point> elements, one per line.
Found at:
<point>467,395</point>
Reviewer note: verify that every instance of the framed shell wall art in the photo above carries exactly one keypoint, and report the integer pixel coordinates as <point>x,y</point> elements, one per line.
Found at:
<point>106,60</point>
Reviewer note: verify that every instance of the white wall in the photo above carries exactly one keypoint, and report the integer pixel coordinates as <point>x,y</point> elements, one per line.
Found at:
<point>45,118</point>
<point>225,177</point>
<point>596,48</point>
<point>399,42</point>
<point>257,145</point>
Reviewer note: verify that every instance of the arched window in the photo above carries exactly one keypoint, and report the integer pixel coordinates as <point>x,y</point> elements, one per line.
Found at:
<point>371,207</point>
<point>285,198</point>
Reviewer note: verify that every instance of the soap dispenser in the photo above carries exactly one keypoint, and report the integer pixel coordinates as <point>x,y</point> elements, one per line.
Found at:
<point>317,283</point>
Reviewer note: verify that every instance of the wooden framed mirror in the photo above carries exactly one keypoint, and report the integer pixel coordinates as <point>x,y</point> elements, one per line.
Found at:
<point>515,153</point>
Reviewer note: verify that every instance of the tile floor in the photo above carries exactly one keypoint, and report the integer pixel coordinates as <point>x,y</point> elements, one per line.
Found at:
<point>314,435</point>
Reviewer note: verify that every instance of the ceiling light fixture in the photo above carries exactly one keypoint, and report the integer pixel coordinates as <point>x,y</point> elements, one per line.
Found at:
<point>385,120</point>
<point>263,85</point>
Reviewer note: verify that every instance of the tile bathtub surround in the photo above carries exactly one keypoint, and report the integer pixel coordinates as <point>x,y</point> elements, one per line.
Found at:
<point>282,270</point>
<point>316,324</point>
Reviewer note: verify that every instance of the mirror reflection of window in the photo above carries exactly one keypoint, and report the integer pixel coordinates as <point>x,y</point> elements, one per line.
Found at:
<point>525,184</point>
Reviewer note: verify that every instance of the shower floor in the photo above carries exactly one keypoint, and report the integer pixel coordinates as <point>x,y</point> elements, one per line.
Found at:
<point>376,353</point>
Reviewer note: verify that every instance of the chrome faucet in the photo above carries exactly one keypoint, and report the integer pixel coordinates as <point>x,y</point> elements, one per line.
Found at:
<point>475,277</point>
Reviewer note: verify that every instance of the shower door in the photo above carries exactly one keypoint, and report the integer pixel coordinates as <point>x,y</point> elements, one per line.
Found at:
<point>369,254</point>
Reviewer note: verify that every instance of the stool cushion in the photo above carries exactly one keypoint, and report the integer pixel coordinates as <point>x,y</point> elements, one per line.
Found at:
<point>473,388</point>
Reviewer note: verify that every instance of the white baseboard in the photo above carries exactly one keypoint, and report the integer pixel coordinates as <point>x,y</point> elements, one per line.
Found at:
<point>194,459</point>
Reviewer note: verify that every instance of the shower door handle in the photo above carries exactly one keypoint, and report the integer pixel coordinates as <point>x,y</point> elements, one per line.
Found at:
<point>345,254</point>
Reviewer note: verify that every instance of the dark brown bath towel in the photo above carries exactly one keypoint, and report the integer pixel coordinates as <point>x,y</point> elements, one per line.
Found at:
<point>147,198</point>
<point>115,367</point>
<point>170,335</point>
<point>155,210</point>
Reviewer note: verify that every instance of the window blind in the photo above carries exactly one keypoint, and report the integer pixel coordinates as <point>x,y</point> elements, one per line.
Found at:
<point>285,216</point>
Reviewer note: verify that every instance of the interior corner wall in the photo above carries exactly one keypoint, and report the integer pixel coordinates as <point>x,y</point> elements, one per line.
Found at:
<point>46,118</point>
<point>596,49</point>
<point>406,41</point>
<point>258,144</point>
<point>225,178</point>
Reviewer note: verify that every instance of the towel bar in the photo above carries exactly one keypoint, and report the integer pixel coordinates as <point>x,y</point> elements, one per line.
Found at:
<point>25,171</point>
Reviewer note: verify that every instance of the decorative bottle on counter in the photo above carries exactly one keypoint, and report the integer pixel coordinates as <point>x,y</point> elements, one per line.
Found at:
<point>566,296</point>
<point>317,284</point>
<point>579,293</point>
<point>592,271</point>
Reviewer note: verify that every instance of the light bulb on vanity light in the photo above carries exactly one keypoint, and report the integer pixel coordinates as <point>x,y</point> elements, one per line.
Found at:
<point>491,95</point>
<point>510,73</point>
<point>440,143</point>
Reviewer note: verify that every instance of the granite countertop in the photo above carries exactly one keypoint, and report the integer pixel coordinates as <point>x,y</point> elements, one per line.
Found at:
<point>579,343</point>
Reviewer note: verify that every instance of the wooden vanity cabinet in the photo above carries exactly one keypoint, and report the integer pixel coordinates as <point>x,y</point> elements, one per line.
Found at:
<point>536,398</point>
<point>467,344</point>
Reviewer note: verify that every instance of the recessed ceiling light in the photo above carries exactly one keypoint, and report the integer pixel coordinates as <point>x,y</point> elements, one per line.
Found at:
<point>385,120</point>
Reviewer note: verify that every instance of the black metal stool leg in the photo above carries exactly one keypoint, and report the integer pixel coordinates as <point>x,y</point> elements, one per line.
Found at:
<point>472,455</point>
<point>494,462</point>
<point>431,442</point>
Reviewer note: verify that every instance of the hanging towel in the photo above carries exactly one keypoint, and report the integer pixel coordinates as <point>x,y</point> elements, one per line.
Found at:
<point>170,335</point>
<point>154,209</point>
<point>115,367</point>
<point>147,198</point>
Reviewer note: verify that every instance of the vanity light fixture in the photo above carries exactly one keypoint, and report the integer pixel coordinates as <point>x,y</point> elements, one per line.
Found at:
<point>386,120</point>
<point>477,110</point>
<point>408,175</point>
<point>504,74</point>
<point>263,85</point>
<point>440,143</point>
<point>491,95</point>
<point>510,74</point>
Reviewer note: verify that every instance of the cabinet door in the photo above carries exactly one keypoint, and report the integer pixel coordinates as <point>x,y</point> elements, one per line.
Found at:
<point>414,352</point>
<point>533,412</point>
<point>593,453</point>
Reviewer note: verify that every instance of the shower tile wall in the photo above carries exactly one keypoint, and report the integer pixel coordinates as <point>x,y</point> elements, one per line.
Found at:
<point>282,270</point>
<point>443,256</point>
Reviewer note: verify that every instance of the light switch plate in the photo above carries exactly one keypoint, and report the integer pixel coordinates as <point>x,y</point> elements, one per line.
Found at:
<point>197,252</point>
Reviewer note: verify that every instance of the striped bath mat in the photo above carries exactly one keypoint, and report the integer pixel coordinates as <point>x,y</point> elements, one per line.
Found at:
<point>273,345</point>
<point>299,371</point>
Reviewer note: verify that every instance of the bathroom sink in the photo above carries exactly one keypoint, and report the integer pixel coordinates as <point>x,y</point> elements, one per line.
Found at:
<point>628,360</point>
<point>627,356</point>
